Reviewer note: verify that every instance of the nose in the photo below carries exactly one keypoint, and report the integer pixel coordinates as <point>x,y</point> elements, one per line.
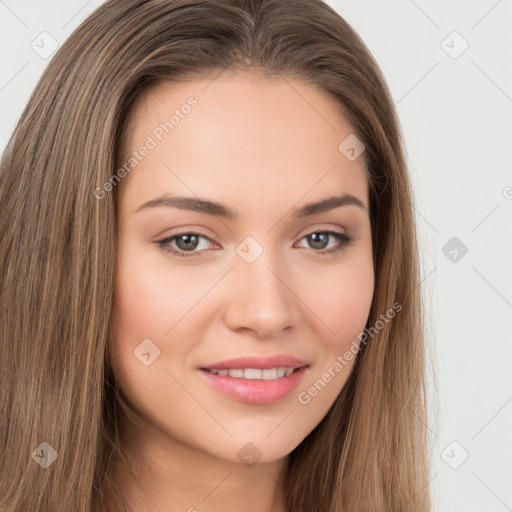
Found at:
<point>260,298</point>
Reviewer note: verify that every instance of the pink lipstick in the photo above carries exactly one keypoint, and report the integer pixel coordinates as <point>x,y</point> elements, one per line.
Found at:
<point>255,380</point>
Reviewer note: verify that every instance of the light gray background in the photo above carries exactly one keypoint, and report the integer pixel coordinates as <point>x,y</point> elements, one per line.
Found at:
<point>455,112</point>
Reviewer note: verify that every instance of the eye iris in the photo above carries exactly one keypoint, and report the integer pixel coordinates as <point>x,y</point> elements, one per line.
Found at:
<point>314,237</point>
<point>190,242</point>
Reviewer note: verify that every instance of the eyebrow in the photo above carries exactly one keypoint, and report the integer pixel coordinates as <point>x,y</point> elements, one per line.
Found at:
<point>213,208</point>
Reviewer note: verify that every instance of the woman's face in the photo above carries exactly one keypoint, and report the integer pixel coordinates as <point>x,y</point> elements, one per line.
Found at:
<point>218,260</point>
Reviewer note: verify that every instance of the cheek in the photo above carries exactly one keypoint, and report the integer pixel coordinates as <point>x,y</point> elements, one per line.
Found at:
<point>157,302</point>
<point>142,302</point>
<point>142,310</point>
<point>151,299</point>
<point>341,299</point>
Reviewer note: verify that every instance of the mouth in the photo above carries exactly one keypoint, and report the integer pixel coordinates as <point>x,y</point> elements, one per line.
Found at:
<point>255,373</point>
<point>259,386</point>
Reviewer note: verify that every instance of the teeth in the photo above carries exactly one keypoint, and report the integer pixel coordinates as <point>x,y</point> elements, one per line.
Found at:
<point>255,373</point>
<point>269,374</point>
<point>252,373</point>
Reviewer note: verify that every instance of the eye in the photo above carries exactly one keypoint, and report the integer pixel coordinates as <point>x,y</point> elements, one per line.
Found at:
<point>189,242</point>
<point>185,242</point>
<point>319,239</point>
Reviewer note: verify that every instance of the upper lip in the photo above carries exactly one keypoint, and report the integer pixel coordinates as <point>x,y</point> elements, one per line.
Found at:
<point>257,362</point>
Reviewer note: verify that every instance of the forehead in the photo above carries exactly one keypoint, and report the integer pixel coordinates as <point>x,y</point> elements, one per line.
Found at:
<point>241,136</point>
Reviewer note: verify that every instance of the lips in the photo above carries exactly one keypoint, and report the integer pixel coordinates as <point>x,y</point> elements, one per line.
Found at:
<point>262,363</point>
<point>255,373</point>
<point>255,380</point>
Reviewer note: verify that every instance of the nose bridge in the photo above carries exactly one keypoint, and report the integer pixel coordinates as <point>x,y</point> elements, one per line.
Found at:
<point>260,298</point>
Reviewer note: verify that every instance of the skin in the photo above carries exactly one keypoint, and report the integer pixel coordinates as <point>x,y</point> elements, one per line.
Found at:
<point>262,148</point>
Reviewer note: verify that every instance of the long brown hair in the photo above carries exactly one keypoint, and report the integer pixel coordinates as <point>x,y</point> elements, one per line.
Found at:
<point>58,247</point>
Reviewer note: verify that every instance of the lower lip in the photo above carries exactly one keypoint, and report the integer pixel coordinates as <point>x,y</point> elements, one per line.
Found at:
<point>255,391</point>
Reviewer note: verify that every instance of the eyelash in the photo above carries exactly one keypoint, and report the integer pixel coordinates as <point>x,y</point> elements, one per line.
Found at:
<point>345,241</point>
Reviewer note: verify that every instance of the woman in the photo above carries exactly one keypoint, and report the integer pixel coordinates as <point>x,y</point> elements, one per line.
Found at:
<point>183,175</point>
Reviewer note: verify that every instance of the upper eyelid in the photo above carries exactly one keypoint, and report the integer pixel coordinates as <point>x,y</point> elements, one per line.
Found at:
<point>195,231</point>
<point>345,239</point>
<point>210,239</point>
